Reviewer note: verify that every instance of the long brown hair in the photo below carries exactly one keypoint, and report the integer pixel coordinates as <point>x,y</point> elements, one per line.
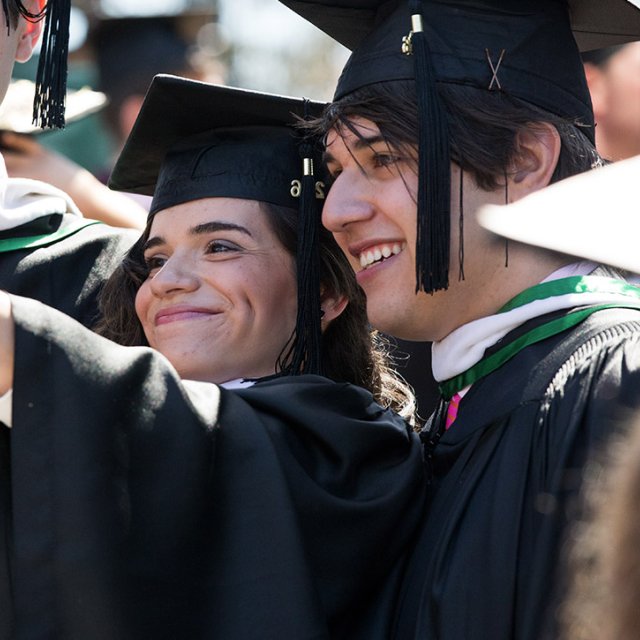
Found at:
<point>351,351</point>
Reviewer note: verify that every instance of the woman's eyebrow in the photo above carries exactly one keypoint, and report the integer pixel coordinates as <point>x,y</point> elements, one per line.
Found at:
<point>208,227</point>
<point>155,241</point>
<point>205,227</point>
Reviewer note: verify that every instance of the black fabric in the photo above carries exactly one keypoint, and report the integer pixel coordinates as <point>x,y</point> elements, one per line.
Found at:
<point>254,163</point>
<point>146,507</point>
<point>461,38</point>
<point>69,273</point>
<point>40,226</point>
<point>506,476</point>
<point>595,24</point>
<point>176,108</point>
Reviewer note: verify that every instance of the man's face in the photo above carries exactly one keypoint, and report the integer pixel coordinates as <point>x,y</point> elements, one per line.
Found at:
<point>371,210</point>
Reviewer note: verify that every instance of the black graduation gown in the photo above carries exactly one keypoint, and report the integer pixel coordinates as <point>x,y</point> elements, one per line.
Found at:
<point>68,272</point>
<point>143,507</point>
<point>505,484</point>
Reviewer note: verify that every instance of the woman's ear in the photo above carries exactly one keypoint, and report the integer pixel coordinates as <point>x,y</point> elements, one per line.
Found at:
<point>332,306</point>
<point>29,31</point>
<point>536,159</point>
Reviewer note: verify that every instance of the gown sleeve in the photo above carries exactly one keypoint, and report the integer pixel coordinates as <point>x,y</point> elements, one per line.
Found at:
<point>136,505</point>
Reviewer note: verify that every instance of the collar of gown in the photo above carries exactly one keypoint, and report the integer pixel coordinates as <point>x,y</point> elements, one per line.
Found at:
<point>465,346</point>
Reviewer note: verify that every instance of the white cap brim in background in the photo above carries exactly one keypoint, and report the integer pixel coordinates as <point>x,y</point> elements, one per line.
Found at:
<point>16,112</point>
<point>595,215</point>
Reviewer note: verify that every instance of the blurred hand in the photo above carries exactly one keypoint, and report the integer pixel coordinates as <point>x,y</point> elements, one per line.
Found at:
<point>27,158</point>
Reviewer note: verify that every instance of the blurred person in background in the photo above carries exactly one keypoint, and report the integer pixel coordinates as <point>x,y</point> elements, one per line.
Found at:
<point>26,156</point>
<point>613,76</point>
<point>131,47</point>
<point>123,48</point>
<point>48,250</point>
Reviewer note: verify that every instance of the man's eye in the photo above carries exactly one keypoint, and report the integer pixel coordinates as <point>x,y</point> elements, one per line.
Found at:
<point>385,160</point>
<point>333,173</point>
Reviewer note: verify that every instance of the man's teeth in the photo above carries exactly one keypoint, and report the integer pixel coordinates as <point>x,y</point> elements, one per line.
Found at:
<point>367,258</point>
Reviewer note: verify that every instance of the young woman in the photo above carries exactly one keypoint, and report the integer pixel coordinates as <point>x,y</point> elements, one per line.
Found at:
<point>145,500</point>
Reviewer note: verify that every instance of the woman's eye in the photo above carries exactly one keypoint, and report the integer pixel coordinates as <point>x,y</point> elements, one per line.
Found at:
<point>154,263</point>
<point>221,246</point>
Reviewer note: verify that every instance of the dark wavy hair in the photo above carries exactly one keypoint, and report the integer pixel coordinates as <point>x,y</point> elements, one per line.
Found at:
<point>483,127</point>
<point>351,351</point>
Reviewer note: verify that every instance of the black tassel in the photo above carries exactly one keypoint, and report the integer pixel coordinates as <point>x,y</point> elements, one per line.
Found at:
<point>306,357</point>
<point>434,171</point>
<point>506,201</point>
<point>461,228</point>
<point>51,78</point>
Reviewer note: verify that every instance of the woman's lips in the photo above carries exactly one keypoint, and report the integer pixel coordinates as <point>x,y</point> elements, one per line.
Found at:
<point>177,314</point>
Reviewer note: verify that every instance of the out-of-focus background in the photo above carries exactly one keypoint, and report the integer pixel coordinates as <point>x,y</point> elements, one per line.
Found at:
<point>117,46</point>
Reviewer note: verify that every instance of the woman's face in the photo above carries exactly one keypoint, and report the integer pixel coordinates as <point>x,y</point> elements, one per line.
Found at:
<point>220,299</point>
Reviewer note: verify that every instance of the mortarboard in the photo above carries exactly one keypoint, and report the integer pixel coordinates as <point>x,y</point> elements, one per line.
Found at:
<point>195,140</point>
<point>51,77</point>
<point>524,48</point>
<point>593,215</point>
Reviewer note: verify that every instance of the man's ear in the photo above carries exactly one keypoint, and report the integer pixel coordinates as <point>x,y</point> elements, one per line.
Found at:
<point>536,159</point>
<point>29,31</point>
<point>332,306</point>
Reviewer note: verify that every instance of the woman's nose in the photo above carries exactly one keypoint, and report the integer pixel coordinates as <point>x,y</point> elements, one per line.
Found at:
<point>174,276</point>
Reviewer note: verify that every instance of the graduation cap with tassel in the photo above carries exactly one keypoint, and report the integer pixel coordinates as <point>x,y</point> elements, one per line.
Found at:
<point>524,48</point>
<point>195,140</point>
<point>51,77</point>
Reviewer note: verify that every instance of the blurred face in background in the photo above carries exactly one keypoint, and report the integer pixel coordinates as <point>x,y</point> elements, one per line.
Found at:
<point>615,93</point>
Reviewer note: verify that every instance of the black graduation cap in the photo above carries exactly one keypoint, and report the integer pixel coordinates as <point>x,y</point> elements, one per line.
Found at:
<point>524,48</point>
<point>195,140</point>
<point>51,77</point>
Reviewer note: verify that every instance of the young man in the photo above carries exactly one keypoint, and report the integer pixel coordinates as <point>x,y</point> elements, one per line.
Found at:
<point>443,107</point>
<point>48,250</point>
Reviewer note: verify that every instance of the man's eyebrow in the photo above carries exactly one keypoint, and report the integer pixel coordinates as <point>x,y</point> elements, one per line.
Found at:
<point>205,227</point>
<point>360,142</point>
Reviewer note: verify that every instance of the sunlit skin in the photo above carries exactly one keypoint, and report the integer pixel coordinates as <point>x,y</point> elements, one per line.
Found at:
<point>220,300</point>
<point>371,207</point>
<point>18,44</point>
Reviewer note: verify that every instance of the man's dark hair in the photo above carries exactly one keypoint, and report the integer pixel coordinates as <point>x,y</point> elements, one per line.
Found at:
<point>483,127</point>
